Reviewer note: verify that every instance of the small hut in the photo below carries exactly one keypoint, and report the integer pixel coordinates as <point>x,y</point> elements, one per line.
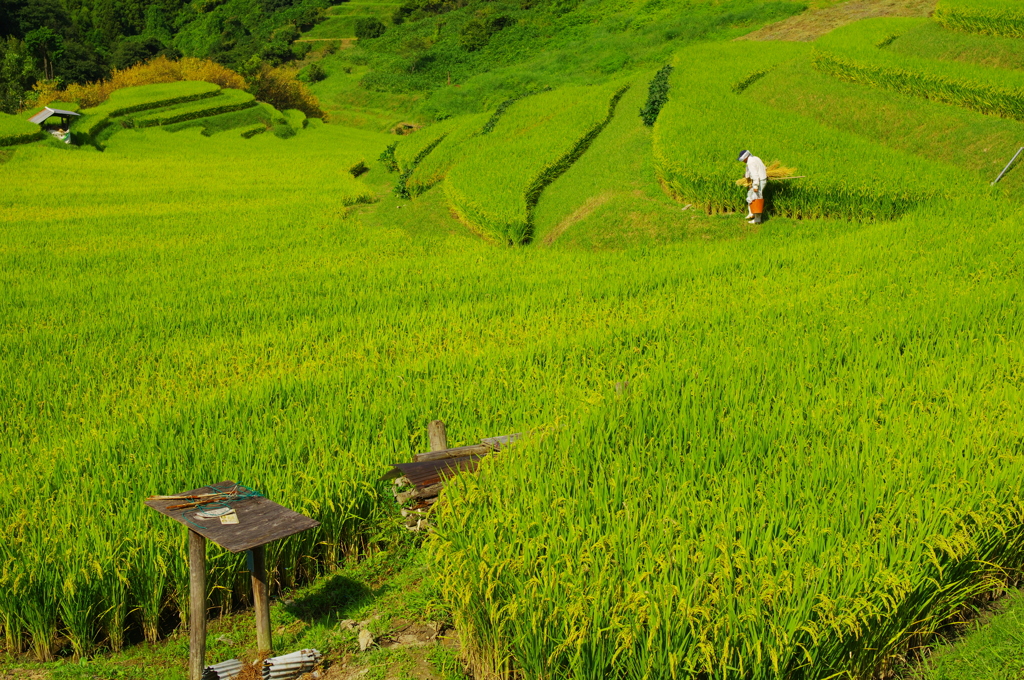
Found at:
<point>63,133</point>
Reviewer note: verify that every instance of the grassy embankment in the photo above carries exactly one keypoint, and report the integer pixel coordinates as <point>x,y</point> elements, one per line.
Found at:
<point>17,130</point>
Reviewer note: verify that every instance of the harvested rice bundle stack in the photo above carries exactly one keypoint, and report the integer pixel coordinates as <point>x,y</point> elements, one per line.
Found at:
<point>776,170</point>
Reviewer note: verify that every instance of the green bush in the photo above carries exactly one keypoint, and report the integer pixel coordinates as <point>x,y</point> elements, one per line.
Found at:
<point>387,157</point>
<point>657,95</point>
<point>370,27</point>
<point>313,73</point>
<point>477,31</point>
<point>297,119</point>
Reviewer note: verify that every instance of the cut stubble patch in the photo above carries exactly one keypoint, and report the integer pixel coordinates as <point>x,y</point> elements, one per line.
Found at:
<point>581,213</point>
<point>811,25</point>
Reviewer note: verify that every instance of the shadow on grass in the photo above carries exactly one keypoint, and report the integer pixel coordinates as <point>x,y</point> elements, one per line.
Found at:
<point>332,601</point>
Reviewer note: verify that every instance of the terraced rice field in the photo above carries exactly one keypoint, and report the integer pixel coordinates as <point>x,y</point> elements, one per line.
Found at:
<point>796,453</point>
<point>340,22</point>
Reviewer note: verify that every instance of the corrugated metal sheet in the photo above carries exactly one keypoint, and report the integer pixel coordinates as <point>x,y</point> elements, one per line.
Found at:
<point>433,471</point>
<point>47,112</point>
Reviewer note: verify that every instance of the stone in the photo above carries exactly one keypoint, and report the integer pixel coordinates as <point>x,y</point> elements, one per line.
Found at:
<point>365,640</point>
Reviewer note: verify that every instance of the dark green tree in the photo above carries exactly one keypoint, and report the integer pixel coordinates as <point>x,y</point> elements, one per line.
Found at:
<point>131,51</point>
<point>368,27</point>
<point>17,73</point>
<point>48,47</point>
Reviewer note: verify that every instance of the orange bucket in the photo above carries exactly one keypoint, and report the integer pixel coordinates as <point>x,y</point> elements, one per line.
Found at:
<point>757,206</point>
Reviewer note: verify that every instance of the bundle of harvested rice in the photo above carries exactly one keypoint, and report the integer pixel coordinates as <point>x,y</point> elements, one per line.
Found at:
<point>776,170</point>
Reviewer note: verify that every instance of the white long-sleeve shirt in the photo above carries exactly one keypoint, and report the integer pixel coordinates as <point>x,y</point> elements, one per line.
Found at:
<point>756,173</point>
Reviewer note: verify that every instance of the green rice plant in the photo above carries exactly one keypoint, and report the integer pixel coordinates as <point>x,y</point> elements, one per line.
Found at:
<point>698,137</point>
<point>262,114</point>
<point>504,106</point>
<point>853,53</point>
<point>988,17</point>
<point>610,197</point>
<point>938,43</point>
<point>226,101</point>
<point>297,119</point>
<point>410,153</point>
<point>134,99</point>
<point>459,134</point>
<point>977,144</point>
<point>409,150</point>
<point>787,455</point>
<point>694,526</point>
<point>79,600</point>
<point>81,559</point>
<point>17,130</point>
<point>495,187</point>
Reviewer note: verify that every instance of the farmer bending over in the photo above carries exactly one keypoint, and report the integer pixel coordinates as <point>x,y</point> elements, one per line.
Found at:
<point>758,177</point>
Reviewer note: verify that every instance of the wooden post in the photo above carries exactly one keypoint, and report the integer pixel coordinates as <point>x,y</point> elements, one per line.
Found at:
<point>261,598</point>
<point>438,435</point>
<point>196,605</point>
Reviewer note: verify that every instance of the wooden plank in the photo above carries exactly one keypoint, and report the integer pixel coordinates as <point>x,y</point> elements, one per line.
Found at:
<point>471,450</point>
<point>498,443</point>
<point>196,605</point>
<point>485,446</point>
<point>438,435</point>
<point>261,599</point>
<point>260,520</point>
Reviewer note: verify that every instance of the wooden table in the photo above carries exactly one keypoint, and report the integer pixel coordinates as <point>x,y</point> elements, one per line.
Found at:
<point>260,521</point>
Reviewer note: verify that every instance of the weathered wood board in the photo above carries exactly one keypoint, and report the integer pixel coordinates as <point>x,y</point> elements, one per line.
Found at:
<point>260,520</point>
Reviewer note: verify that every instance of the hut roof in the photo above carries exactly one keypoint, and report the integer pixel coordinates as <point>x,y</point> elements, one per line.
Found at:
<point>48,112</point>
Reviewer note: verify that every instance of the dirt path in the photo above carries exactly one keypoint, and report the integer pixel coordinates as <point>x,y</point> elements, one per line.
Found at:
<point>810,25</point>
<point>345,42</point>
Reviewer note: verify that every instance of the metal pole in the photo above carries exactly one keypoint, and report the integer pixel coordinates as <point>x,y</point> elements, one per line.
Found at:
<point>1007,168</point>
<point>196,605</point>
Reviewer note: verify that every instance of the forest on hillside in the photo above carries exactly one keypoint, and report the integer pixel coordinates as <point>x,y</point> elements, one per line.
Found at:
<point>414,47</point>
<point>76,41</point>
